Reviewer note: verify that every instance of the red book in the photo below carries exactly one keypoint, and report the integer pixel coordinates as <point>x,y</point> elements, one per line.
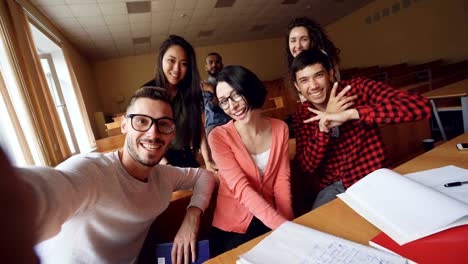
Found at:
<point>448,246</point>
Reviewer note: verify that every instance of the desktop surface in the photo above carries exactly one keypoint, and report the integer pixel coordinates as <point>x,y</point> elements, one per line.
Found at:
<point>338,219</point>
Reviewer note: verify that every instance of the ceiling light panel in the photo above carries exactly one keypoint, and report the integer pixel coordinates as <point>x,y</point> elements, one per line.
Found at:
<point>289,2</point>
<point>141,40</point>
<point>139,7</point>
<point>224,3</point>
<point>205,33</point>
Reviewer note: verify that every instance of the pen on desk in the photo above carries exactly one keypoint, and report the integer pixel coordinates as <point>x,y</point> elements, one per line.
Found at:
<point>453,184</point>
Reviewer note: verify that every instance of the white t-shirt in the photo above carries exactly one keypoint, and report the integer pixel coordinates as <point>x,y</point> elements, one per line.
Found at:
<point>262,161</point>
<point>96,212</point>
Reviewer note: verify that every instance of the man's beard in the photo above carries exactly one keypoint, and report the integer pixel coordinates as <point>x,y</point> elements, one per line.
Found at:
<point>213,74</point>
<point>132,150</point>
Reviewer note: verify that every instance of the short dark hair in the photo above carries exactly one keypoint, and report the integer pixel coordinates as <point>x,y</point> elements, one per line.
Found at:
<point>150,92</point>
<point>245,83</point>
<point>309,57</point>
<point>215,54</point>
<point>318,38</point>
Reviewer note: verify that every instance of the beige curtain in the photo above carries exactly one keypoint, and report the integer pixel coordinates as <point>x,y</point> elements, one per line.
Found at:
<point>6,30</point>
<point>34,86</point>
<point>56,36</point>
<point>16,123</point>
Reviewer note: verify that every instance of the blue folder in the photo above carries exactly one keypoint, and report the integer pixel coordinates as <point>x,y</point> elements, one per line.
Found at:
<point>163,252</point>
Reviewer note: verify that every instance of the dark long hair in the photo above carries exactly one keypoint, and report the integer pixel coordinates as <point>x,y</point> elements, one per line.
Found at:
<point>318,39</point>
<point>188,101</point>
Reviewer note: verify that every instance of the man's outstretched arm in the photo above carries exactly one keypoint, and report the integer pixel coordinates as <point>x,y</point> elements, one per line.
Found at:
<point>17,221</point>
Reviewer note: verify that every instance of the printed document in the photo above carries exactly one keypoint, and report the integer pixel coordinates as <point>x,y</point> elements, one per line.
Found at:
<point>296,244</point>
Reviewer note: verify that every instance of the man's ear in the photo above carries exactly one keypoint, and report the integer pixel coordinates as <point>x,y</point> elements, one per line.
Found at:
<point>331,76</point>
<point>297,87</point>
<point>124,125</point>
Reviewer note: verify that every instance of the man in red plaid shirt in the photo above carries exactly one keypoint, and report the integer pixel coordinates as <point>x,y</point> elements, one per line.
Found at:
<point>337,133</point>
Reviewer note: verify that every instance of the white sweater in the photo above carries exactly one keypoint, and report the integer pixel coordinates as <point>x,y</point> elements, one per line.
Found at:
<point>96,212</point>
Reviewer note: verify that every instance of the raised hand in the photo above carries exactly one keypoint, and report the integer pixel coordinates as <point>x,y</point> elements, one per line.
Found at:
<point>340,102</point>
<point>206,86</point>
<point>329,120</point>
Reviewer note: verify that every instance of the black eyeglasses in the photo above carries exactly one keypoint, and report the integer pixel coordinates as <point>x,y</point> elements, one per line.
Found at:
<point>224,103</point>
<point>143,123</point>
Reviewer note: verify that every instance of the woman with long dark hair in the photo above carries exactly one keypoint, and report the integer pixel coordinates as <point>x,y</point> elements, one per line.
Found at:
<point>303,34</point>
<point>177,72</point>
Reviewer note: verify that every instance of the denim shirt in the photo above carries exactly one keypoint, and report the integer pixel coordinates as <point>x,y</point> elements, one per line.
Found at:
<point>214,115</point>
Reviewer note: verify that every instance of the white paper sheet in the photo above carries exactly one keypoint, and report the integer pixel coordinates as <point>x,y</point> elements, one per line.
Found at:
<point>405,209</point>
<point>296,244</point>
<point>436,178</point>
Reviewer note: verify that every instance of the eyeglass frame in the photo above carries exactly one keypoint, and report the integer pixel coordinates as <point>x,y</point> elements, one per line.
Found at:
<point>154,121</point>
<point>233,93</point>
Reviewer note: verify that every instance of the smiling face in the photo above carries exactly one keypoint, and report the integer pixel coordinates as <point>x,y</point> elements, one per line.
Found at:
<point>314,83</point>
<point>145,149</point>
<point>299,40</point>
<point>236,110</point>
<point>175,64</point>
<point>213,65</point>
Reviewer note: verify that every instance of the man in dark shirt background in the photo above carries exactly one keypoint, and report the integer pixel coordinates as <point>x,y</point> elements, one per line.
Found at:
<point>214,115</point>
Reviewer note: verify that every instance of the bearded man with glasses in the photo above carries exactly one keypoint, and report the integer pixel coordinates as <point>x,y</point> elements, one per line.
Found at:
<point>98,208</point>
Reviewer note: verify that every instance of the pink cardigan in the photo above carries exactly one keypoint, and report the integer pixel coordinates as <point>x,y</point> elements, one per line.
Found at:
<point>241,194</point>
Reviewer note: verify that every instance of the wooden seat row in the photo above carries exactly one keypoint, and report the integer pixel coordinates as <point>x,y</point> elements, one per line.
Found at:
<point>111,143</point>
<point>403,74</point>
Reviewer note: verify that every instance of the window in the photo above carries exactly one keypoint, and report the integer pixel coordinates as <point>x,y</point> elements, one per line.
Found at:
<point>54,87</point>
<point>62,91</point>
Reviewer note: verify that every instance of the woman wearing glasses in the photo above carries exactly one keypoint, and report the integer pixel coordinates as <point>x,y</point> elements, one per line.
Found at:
<point>177,72</point>
<point>251,151</point>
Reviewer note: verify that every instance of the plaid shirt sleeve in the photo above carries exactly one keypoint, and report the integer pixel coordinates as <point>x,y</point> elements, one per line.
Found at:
<point>385,105</point>
<point>359,150</point>
<point>311,144</point>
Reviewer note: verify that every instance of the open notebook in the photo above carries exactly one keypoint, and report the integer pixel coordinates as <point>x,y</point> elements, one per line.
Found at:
<point>296,244</point>
<point>410,207</point>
